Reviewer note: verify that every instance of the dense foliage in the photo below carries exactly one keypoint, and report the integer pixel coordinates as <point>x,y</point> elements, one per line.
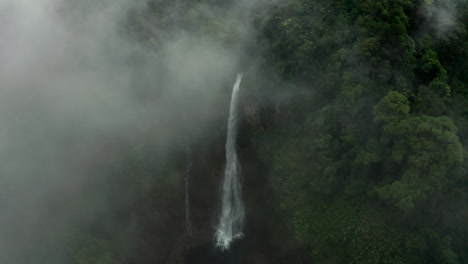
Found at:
<point>362,131</point>
<point>375,170</point>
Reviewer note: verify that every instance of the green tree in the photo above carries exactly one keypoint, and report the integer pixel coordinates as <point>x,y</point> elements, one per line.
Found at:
<point>424,148</point>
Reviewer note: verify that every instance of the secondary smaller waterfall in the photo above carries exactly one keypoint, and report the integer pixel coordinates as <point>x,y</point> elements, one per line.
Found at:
<point>231,218</point>
<point>188,223</point>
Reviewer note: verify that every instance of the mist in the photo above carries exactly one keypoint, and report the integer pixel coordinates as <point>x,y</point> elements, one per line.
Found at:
<point>72,80</point>
<point>442,16</point>
<point>120,120</point>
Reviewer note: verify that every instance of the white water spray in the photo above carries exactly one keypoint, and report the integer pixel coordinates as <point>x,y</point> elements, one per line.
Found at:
<point>188,223</point>
<point>231,219</point>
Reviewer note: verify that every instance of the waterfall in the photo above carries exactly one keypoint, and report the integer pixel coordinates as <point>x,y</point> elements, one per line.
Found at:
<point>232,210</point>
<point>188,223</point>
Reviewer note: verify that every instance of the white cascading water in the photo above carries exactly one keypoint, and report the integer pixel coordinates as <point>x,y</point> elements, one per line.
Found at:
<point>231,220</point>
<point>188,223</point>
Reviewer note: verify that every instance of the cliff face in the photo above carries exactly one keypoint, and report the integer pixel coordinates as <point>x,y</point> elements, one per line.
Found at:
<point>204,191</point>
<point>172,241</point>
<point>208,169</point>
<point>208,161</point>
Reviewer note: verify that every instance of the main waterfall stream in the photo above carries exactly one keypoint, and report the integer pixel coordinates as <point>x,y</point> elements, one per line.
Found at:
<point>231,219</point>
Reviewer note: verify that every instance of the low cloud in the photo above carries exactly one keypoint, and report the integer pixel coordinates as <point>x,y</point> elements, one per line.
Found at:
<point>71,79</point>
<point>441,15</point>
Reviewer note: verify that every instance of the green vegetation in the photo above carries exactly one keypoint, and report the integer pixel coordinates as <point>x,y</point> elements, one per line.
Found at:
<point>366,159</point>
<point>375,170</point>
